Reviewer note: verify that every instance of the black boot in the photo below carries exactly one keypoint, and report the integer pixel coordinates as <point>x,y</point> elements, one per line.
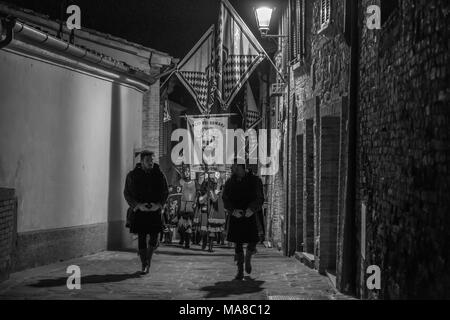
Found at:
<point>210,243</point>
<point>187,240</point>
<point>239,258</point>
<point>204,241</point>
<point>248,261</point>
<point>149,256</point>
<point>181,238</point>
<point>144,261</point>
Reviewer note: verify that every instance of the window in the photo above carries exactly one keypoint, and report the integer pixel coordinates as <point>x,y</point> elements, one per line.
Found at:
<point>325,13</point>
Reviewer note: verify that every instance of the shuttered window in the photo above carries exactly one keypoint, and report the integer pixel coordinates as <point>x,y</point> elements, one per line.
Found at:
<point>297,29</point>
<point>325,13</point>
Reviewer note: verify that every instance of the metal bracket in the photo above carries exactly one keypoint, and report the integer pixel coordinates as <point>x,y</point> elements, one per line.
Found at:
<point>8,25</point>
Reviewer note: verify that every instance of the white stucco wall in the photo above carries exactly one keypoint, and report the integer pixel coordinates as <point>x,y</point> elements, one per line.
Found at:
<point>57,148</point>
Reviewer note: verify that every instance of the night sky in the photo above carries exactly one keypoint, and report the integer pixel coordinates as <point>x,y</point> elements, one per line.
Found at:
<point>171,26</point>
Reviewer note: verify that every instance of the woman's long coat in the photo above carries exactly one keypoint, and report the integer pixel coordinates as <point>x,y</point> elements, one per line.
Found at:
<point>145,187</point>
<point>243,194</point>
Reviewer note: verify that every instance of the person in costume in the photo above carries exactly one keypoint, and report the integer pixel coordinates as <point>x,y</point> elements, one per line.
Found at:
<point>187,208</point>
<point>216,218</point>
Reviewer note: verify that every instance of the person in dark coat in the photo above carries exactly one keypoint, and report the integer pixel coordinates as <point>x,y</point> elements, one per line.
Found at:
<point>243,199</point>
<point>146,192</point>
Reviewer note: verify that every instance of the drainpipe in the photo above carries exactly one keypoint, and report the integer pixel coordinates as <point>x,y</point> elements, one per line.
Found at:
<point>27,34</point>
<point>349,253</point>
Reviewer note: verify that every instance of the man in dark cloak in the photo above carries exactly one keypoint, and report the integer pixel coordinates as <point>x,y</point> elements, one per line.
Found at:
<point>146,192</point>
<point>243,198</point>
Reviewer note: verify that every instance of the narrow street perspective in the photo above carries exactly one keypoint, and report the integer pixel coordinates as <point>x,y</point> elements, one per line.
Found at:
<point>231,150</point>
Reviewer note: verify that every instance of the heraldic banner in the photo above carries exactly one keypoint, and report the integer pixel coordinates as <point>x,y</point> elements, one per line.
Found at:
<point>209,143</point>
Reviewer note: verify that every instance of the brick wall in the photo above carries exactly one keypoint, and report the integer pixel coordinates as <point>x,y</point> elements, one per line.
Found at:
<point>278,206</point>
<point>328,195</point>
<point>299,195</point>
<point>316,144</point>
<point>341,221</point>
<point>320,80</point>
<point>308,187</point>
<point>152,124</point>
<point>404,149</point>
<point>8,215</point>
<point>291,178</point>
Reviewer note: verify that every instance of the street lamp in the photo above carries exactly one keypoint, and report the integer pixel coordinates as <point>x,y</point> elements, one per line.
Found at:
<point>263,16</point>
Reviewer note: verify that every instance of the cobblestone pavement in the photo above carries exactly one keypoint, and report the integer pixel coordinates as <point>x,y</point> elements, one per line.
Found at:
<point>176,273</point>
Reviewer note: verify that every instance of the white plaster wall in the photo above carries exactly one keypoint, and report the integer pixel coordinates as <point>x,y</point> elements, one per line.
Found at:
<point>57,148</point>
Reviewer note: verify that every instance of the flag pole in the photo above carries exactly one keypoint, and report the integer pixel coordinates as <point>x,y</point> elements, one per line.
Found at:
<point>255,124</point>
<point>210,115</point>
<point>168,78</point>
<point>273,64</point>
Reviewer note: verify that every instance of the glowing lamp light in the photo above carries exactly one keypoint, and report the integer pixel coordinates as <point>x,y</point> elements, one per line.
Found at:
<point>263,17</point>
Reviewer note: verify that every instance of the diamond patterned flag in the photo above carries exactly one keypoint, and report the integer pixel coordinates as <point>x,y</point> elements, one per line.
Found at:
<point>196,71</point>
<point>238,54</point>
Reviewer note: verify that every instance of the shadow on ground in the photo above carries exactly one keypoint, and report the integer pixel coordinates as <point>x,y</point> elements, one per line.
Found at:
<point>106,278</point>
<point>225,289</point>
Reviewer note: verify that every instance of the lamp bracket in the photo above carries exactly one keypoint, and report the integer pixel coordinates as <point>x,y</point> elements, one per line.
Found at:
<point>273,36</point>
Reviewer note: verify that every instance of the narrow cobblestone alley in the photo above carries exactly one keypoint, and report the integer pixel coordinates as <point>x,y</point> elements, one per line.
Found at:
<point>319,130</point>
<point>176,274</point>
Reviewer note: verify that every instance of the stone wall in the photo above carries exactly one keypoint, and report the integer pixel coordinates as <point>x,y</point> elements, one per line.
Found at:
<point>404,149</point>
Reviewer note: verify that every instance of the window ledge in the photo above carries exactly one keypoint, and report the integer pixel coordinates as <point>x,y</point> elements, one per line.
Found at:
<point>296,64</point>
<point>305,258</point>
<point>323,28</point>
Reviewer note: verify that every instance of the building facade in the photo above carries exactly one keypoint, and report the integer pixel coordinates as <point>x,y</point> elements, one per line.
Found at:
<point>364,160</point>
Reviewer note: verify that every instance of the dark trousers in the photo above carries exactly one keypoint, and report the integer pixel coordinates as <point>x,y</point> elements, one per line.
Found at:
<point>239,248</point>
<point>152,242</point>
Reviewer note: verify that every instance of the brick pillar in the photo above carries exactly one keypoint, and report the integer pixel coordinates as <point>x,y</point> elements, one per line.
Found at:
<point>291,178</point>
<point>308,187</point>
<point>299,194</point>
<point>329,188</point>
<point>342,227</point>
<point>8,230</point>
<point>152,120</point>
<point>317,150</point>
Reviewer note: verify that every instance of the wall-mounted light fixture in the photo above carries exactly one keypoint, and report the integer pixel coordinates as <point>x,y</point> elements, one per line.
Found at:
<point>263,17</point>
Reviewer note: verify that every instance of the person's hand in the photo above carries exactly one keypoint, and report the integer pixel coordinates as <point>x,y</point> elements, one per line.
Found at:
<point>237,213</point>
<point>249,213</point>
<point>142,207</point>
<point>154,207</point>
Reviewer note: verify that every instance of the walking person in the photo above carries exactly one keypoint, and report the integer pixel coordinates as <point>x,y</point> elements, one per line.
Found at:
<point>146,192</point>
<point>243,198</point>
